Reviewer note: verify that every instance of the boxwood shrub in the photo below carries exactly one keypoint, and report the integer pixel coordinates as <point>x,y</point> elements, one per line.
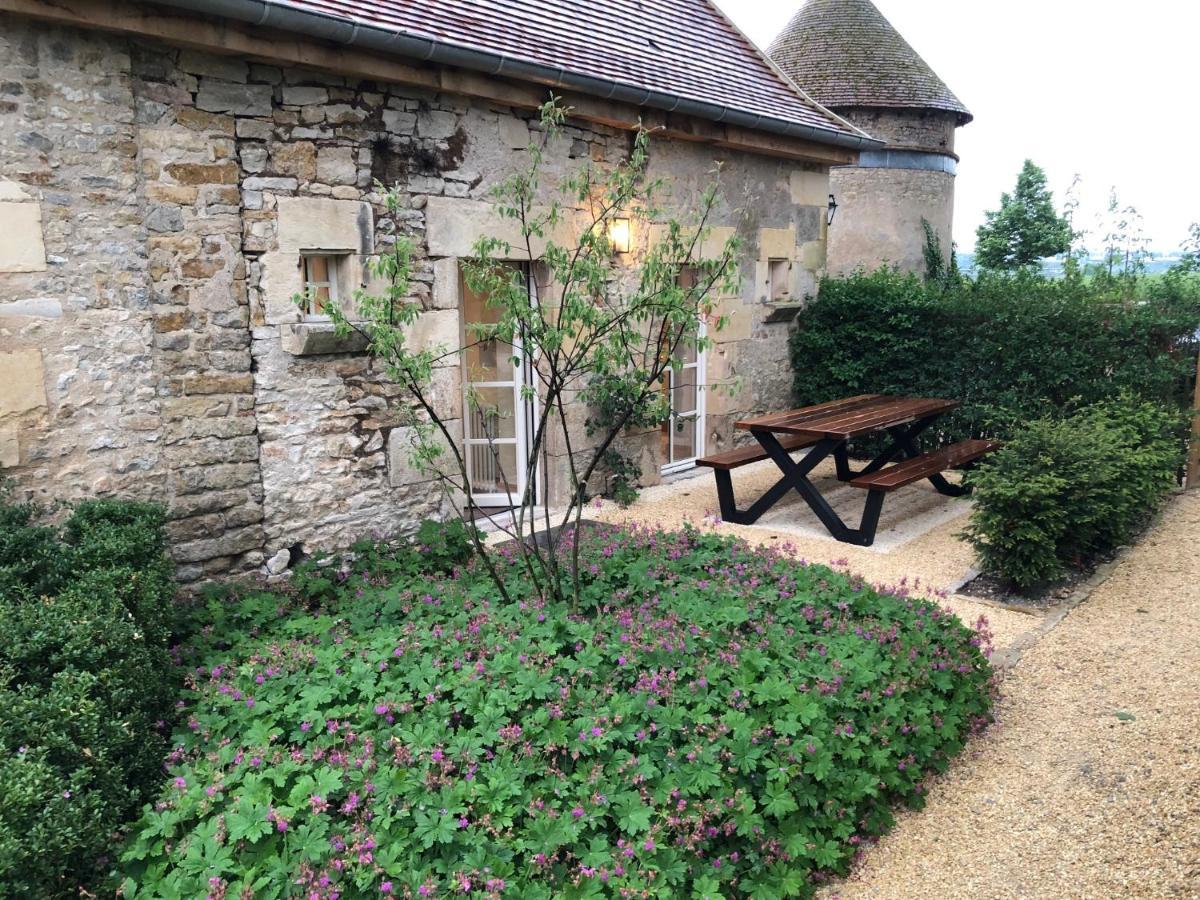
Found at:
<point>85,685</point>
<point>713,719</point>
<point>1063,490</point>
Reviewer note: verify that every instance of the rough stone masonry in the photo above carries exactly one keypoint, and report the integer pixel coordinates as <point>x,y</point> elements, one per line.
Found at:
<point>154,204</point>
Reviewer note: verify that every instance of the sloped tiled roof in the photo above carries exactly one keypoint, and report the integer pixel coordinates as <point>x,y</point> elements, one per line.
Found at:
<point>685,48</point>
<point>845,53</point>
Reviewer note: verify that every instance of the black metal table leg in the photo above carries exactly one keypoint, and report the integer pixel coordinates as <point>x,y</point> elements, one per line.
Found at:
<point>942,486</point>
<point>903,442</point>
<point>729,510</point>
<point>841,458</point>
<point>796,477</point>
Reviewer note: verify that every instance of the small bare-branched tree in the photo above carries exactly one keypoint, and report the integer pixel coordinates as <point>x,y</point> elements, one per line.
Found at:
<point>597,327</point>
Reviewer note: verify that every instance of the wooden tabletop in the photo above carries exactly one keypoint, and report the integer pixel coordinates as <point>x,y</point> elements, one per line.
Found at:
<point>850,417</point>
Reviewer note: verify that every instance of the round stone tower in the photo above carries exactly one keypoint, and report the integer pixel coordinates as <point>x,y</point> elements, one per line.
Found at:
<point>850,59</point>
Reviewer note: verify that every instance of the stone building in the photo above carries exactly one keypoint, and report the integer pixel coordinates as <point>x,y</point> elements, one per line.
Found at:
<point>171,174</point>
<point>849,58</point>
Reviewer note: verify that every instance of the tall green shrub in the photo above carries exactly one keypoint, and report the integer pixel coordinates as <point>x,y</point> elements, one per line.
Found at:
<point>86,686</point>
<point>1064,490</point>
<point>1012,348</point>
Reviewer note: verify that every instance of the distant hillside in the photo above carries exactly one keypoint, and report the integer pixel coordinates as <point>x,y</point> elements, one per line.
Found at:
<point>1053,267</point>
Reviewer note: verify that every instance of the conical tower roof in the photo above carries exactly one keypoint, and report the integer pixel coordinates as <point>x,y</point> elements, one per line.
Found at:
<point>845,53</point>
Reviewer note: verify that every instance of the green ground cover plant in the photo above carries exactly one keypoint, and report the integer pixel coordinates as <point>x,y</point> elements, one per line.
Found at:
<point>708,719</point>
<point>86,684</point>
<point>1064,490</point>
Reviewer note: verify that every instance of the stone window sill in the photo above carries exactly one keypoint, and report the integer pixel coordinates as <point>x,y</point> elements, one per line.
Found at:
<point>782,311</point>
<point>318,339</point>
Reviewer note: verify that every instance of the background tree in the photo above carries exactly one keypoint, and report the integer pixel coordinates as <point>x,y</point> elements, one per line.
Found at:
<point>1126,246</point>
<point>598,331</point>
<point>1025,229</point>
<point>1189,259</point>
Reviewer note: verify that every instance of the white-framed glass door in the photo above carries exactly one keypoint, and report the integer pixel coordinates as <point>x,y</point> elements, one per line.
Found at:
<point>497,409</point>
<point>683,432</point>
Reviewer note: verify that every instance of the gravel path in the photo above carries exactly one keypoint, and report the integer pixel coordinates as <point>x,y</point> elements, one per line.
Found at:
<point>1089,786</point>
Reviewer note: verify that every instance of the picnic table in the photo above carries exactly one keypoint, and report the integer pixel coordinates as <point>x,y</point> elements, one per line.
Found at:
<point>824,430</point>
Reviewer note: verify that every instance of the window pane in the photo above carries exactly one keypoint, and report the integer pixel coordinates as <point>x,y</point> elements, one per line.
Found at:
<point>683,393</point>
<point>675,342</point>
<point>493,468</point>
<point>686,351</point>
<point>318,268</point>
<point>492,413</point>
<point>683,439</point>
<point>489,360</point>
<point>319,301</point>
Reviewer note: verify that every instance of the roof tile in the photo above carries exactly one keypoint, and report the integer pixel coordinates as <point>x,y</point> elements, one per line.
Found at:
<point>845,53</point>
<point>686,48</point>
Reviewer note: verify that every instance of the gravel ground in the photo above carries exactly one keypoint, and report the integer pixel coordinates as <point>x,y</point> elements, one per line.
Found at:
<point>1089,785</point>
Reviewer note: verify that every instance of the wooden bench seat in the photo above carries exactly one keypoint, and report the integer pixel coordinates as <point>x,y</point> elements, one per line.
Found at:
<point>927,464</point>
<point>743,456</point>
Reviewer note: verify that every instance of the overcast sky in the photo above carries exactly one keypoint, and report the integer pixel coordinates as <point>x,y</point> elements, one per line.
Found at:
<point>1104,89</point>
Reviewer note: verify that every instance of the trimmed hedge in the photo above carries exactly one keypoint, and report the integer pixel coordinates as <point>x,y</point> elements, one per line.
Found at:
<point>86,685</point>
<point>1012,348</point>
<point>1064,490</point>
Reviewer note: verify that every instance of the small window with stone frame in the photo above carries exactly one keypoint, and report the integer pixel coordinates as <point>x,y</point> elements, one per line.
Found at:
<point>322,271</point>
<point>779,280</point>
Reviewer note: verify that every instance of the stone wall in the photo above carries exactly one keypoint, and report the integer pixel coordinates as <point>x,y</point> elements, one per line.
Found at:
<point>879,217</point>
<point>149,345</point>
<point>880,209</point>
<point>190,185</point>
<point>913,129</point>
<point>80,381</point>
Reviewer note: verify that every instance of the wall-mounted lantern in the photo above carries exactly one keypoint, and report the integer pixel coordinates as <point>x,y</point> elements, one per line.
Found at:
<point>620,235</point>
<point>831,210</point>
